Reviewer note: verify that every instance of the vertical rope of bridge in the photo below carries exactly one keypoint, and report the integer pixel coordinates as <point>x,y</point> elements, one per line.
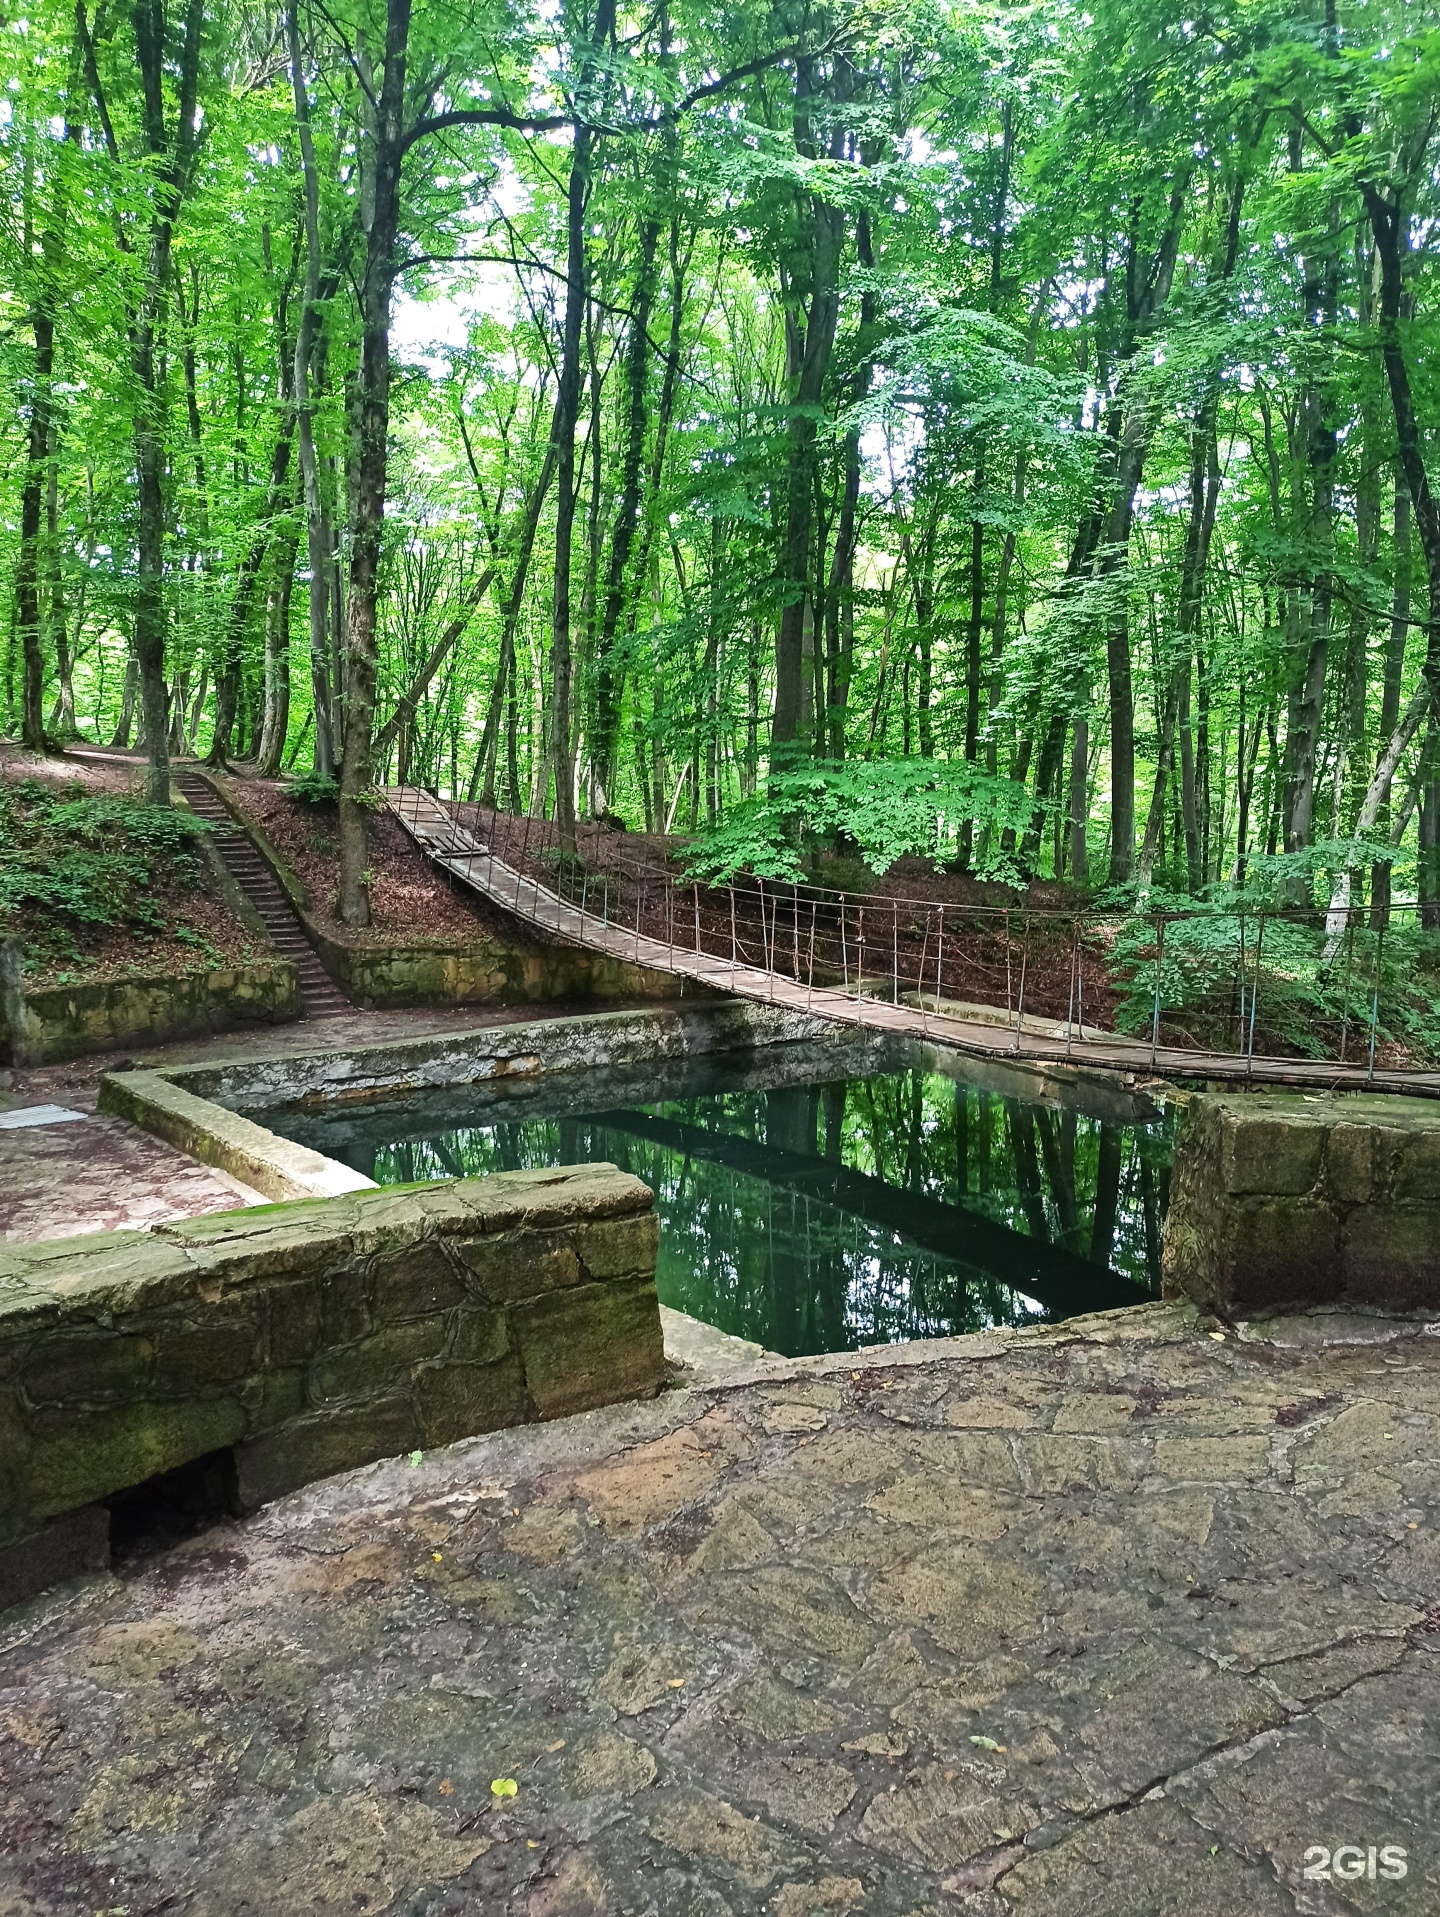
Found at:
<point>795,935</point>
<point>844,950</point>
<point>860,958</point>
<point>810,969</point>
<point>920,976</point>
<point>1254,997</point>
<point>895,957</point>
<point>1349,959</point>
<point>1070,1010</point>
<point>1024,967</point>
<point>940,964</point>
<point>1080,986</point>
<point>1009,997</point>
<point>733,956</point>
<point>697,918</point>
<point>1240,1035</point>
<point>1375,1004</point>
<point>1159,961</point>
<point>764,929</point>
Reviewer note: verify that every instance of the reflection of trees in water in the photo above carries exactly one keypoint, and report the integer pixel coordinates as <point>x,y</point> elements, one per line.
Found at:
<point>795,1273</point>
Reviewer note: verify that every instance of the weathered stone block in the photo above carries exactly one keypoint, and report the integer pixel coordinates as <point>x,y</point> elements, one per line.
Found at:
<point>68,1021</point>
<point>81,1455</point>
<point>93,1366</point>
<point>1279,1156</point>
<point>621,1247</point>
<point>72,1545</point>
<point>293,1330</point>
<point>277,1396</point>
<point>224,1345</point>
<point>1350,1164</point>
<point>478,1335</point>
<point>326,1442</point>
<point>521,1263</point>
<point>345,1307</point>
<point>1394,1251</point>
<point>461,1400</point>
<point>387,1357</point>
<point>1250,1229</point>
<point>1417,1170</point>
<point>591,1345</point>
<point>415,1283</point>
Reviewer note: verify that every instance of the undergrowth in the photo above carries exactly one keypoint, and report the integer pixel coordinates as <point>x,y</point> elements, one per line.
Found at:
<point>73,866</point>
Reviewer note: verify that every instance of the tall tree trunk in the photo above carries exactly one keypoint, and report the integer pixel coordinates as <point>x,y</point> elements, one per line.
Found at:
<point>361,663</point>
<point>567,412</point>
<point>608,684</point>
<point>318,538</point>
<point>228,680</point>
<point>277,655</point>
<point>1145,299</point>
<point>1394,673</point>
<point>811,287</point>
<point>27,569</point>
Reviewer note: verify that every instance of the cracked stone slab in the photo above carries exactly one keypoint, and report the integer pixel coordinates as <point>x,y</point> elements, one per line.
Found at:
<point>1113,1617</point>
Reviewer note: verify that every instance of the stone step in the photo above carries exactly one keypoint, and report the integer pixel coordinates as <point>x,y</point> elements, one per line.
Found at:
<point>319,995</point>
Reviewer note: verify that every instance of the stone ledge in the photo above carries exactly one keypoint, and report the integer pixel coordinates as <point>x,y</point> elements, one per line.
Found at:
<point>259,1158</point>
<point>314,1336</point>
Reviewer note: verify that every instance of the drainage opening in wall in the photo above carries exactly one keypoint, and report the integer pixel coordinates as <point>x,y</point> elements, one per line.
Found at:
<point>173,1506</point>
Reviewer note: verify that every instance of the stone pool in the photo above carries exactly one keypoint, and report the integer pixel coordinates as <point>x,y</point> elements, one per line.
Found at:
<point>817,1201</point>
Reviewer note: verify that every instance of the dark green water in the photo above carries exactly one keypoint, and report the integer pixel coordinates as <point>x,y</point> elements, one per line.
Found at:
<point>816,1212</point>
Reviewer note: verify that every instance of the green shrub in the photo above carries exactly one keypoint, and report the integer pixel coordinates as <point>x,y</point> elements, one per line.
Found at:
<point>72,864</point>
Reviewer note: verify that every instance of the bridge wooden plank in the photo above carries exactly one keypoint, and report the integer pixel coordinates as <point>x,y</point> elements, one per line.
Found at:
<point>474,864</point>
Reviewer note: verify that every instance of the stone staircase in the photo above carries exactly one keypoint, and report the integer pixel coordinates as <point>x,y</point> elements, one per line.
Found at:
<point>319,994</point>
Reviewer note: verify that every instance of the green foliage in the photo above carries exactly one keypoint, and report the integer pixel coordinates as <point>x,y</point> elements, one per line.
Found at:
<point>887,809</point>
<point>71,865</point>
<point>312,788</point>
<point>1223,966</point>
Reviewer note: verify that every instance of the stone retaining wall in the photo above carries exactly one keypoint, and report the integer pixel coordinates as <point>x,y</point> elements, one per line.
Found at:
<point>309,1338</point>
<point>1284,1202</point>
<point>361,1071</point>
<point>67,1021</point>
<point>488,969</point>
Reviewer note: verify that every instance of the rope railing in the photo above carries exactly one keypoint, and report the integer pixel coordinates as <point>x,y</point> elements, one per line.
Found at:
<point>1045,975</point>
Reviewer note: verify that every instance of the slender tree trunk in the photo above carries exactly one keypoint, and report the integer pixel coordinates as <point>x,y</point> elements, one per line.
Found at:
<point>276,724</point>
<point>27,570</point>
<point>317,525</point>
<point>812,311</point>
<point>361,663</point>
<point>1393,676</point>
<point>567,412</point>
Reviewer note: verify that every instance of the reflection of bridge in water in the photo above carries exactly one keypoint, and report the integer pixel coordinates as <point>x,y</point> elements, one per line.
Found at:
<point>1054,1277</point>
<point>815,957</point>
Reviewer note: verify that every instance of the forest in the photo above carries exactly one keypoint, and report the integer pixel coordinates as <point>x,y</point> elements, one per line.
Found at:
<point>994,433</point>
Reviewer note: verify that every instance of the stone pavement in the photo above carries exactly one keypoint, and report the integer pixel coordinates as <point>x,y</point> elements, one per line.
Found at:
<point>107,1175</point>
<point>103,1174</point>
<point>1113,1617</point>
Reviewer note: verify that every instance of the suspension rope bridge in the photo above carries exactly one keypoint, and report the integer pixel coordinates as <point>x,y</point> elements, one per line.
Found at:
<point>813,951</point>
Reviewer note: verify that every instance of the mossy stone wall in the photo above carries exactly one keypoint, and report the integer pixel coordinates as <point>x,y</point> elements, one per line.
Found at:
<point>67,1021</point>
<point>1283,1202</point>
<point>312,1337</point>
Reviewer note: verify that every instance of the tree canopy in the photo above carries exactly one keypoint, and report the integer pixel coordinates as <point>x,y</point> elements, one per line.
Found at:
<point>1003,433</point>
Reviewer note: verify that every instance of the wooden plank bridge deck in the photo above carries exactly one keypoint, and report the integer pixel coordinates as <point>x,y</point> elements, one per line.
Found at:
<point>1031,1040</point>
